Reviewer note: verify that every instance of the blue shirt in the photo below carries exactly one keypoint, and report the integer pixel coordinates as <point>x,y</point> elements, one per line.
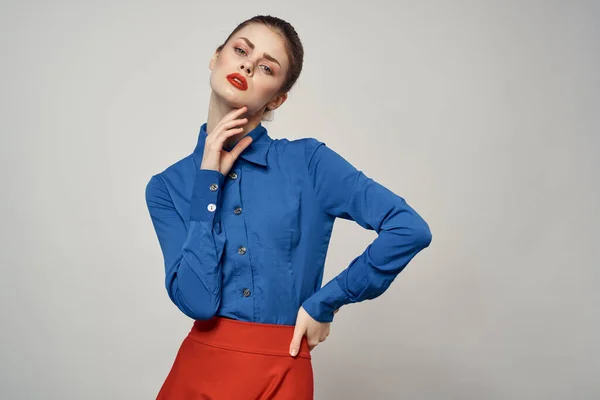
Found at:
<point>252,245</point>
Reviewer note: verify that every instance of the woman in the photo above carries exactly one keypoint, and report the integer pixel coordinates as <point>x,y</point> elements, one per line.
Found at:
<point>244,224</point>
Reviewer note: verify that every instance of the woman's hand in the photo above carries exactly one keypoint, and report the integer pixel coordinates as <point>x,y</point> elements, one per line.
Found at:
<point>215,157</point>
<point>316,332</point>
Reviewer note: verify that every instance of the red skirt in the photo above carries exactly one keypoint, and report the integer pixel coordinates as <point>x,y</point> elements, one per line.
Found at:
<point>225,359</point>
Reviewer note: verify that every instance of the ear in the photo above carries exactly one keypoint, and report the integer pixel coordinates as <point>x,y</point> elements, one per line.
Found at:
<point>277,101</point>
<point>213,60</point>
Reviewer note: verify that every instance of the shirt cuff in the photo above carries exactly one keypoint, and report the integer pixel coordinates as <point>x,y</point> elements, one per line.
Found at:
<point>326,301</point>
<point>206,195</point>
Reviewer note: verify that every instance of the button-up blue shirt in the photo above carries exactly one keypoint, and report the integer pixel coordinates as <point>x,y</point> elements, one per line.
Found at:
<point>252,245</point>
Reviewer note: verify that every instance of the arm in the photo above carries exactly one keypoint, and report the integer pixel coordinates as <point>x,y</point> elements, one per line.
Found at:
<point>192,257</point>
<point>343,191</point>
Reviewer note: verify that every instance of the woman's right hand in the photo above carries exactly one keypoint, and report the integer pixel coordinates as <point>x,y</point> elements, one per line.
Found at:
<point>215,157</point>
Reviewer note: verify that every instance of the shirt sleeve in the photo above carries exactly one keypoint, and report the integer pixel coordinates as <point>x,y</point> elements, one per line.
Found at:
<point>343,191</point>
<point>192,256</point>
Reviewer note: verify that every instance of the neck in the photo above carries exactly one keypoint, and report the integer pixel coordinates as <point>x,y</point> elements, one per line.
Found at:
<point>217,109</point>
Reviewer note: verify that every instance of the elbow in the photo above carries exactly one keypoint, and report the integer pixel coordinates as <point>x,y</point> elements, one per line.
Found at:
<point>412,230</point>
<point>201,314</point>
<point>196,304</point>
<point>421,234</point>
<point>190,294</point>
<point>200,310</point>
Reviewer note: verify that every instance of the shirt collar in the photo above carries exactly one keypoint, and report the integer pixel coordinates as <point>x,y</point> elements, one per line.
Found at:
<point>256,152</point>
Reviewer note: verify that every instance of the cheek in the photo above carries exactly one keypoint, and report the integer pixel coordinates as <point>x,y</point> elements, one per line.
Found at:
<point>269,86</point>
<point>265,94</point>
<point>225,60</point>
<point>219,64</point>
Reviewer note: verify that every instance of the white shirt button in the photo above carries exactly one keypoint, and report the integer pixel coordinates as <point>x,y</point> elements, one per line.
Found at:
<point>214,187</point>
<point>211,207</point>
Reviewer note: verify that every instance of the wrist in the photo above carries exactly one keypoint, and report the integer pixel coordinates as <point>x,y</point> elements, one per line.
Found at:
<point>209,166</point>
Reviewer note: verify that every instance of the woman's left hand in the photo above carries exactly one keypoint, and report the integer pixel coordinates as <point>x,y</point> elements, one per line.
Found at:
<point>315,331</point>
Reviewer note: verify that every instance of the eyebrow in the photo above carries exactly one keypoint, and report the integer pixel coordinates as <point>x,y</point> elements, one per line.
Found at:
<point>265,55</point>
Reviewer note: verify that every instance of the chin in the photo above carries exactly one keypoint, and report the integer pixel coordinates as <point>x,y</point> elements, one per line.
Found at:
<point>229,95</point>
<point>230,98</point>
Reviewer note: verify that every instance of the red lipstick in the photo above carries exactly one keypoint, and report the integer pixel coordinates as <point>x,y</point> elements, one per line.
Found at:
<point>238,81</point>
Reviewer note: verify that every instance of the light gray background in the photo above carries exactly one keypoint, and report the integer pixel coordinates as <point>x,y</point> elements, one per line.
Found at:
<point>483,115</point>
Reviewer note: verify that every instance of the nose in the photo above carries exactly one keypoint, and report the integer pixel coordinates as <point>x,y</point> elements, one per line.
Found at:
<point>246,67</point>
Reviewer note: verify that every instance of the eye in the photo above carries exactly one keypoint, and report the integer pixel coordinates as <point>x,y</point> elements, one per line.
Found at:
<point>267,69</point>
<point>239,49</point>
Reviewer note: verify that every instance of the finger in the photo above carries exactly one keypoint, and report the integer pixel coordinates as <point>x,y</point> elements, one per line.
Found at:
<point>231,115</point>
<point>313,340</point>
<point>240,146</point>
<point>229,158</point>
<point>226,127</point>
<point>218,139</point>
<point>217,142</point>
<point>236,112</point>
<point>234,123</point>
<point>296,340</point>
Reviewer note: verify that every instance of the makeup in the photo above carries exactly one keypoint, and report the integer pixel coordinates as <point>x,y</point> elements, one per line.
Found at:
<point>238,81</point>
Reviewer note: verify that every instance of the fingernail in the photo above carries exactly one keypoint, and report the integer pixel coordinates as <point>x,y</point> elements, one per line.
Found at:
<point>294,352</point>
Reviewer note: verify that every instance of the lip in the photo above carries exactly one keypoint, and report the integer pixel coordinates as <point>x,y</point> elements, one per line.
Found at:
<point>244,84</point>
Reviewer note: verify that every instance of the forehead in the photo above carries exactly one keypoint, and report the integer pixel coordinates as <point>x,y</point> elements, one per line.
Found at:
<point>265,40</point>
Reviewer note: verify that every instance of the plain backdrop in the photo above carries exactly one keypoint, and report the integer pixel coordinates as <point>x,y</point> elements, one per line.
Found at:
<point>483,115</point>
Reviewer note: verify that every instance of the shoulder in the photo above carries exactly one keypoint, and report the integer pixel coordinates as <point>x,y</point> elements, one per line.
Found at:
<point>300,150</point>
<point>171,175</point>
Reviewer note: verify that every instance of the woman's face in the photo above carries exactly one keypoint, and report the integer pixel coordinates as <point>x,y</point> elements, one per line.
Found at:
<point>258,55</point>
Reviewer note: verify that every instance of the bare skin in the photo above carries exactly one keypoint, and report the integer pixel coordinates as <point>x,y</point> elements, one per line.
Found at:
<point>215,157</point>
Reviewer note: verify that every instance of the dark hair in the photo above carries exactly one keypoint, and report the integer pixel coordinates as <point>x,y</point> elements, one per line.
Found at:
<point>293,46</point>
